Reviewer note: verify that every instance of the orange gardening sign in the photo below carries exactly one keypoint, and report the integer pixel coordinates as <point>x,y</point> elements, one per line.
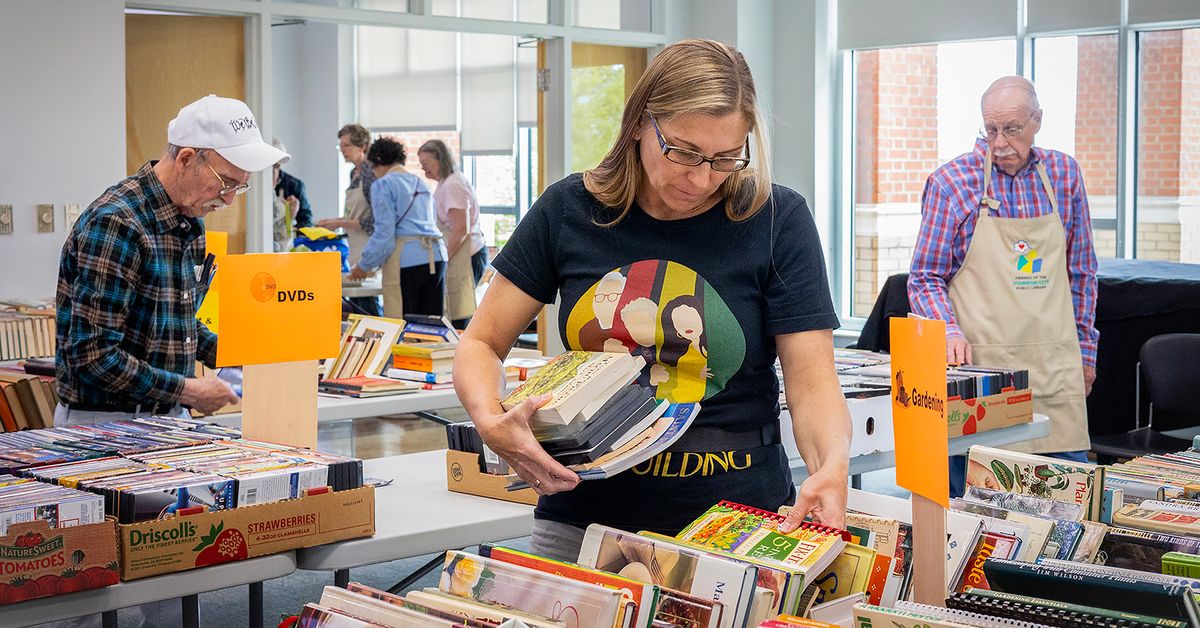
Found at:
<point>919,407</point>
<point>279,307</point>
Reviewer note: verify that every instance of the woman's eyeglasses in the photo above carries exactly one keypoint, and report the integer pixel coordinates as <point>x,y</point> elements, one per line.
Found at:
<point>687,157</point>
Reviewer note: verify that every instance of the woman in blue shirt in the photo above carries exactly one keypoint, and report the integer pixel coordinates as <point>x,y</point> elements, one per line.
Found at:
<point>406,243</point>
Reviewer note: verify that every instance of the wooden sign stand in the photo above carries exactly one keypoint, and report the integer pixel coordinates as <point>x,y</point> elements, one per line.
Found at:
<point>279,403</point>
<point>929,551</point>
<point>265,298</point>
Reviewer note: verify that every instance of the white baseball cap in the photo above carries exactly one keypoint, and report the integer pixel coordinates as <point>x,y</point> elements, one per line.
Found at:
<point>226,126</point>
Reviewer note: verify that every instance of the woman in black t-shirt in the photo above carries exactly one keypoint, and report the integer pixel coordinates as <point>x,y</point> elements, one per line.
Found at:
<point>675,249</point>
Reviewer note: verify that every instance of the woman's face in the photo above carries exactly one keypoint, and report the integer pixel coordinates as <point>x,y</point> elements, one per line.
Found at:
<point>350,153</point>
<point>671,191</point>
<point>430,165</point>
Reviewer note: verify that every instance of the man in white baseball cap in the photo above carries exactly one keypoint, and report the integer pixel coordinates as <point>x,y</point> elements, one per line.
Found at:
<point>133,271</point>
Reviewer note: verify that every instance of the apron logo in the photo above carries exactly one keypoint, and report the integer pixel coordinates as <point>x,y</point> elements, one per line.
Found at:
<point>1028,261</point>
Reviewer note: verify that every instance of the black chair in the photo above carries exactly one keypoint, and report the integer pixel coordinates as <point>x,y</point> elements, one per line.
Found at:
<point>1169,368</point>
<point>891,302</point>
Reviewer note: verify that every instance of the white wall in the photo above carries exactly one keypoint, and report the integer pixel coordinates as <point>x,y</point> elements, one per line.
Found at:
<point>62,120</point>
<point>306,113</point>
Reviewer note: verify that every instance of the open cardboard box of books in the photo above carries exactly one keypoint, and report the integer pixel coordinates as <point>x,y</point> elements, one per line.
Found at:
<point>463,476</point>
<point>39,561</point>
<point>149,548</point>
<point>989,412</point>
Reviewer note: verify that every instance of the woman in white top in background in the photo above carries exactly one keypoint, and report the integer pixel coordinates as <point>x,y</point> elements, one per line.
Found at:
<point>458,219</point>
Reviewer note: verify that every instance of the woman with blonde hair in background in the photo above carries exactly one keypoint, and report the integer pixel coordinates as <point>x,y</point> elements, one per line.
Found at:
<point>458,218</point>
<point>676,210</point>
<point>353,142</point>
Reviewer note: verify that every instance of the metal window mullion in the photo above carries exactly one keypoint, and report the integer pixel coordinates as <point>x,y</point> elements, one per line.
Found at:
<point>1024,46</point>
<point>259,96</point>
<point>1126,206</point>
<point>844,155</point>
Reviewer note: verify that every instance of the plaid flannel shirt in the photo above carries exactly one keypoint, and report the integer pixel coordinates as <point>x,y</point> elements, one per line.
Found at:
<point>949,209</point>
<point>127,299</point>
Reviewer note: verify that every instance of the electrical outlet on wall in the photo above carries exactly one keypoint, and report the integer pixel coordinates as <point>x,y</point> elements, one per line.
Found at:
<point>45,218</point>
<point>6,220</point>
<point>71,212</point>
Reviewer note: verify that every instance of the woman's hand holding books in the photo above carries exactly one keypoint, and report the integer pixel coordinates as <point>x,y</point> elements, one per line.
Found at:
<point>510,436</point>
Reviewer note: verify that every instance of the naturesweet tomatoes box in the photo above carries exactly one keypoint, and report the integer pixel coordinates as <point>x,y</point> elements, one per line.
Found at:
<point>38,561</point>
<point>186,541</point>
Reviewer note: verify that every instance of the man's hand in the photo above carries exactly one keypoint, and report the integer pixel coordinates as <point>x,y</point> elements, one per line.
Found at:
<point>1089,378</point>
<point>822,495</point>
<point>510,436</point>
<point>358,273</point>
<point>958,350</point>
<point>207,394</point>
<point>335,223</point>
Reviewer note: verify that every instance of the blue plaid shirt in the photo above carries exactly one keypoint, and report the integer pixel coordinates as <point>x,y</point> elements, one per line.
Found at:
<point>127,299</point>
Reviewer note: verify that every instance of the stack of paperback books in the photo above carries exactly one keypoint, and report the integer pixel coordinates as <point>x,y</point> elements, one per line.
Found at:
<point>427,365</point>
<point>598,420</point>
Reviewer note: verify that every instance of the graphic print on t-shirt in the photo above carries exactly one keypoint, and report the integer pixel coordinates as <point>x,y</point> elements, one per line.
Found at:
<point>668,314</point>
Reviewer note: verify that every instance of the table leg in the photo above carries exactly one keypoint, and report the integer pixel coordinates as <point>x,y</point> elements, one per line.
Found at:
<point>408,580</point>
<point>108,619</point>
<point>191,611</point>
<point>430,416</point>
<point>856,481</point>
<point>341,578</point>
<point>256,605</point>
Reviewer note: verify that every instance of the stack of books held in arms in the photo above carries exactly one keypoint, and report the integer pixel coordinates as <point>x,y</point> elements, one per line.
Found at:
<point>730,568</point>
<point>599,420</point>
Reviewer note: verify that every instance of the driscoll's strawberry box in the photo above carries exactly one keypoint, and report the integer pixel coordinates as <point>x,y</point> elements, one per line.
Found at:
<point>186,541</point>
<point>971,416</point>
<point>38,561</point>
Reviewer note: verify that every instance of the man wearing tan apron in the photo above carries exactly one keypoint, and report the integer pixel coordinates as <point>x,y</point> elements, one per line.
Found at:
<point>1023,295</point>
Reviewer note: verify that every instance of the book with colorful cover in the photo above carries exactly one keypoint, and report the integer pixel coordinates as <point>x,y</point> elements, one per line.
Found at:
<point>748,531</point>
<point>582,604</point>
<point>427,350</point>
<point>849,573</point>
<point>869,615</point>
<point>673,567</point>
<point>687,611</point>
<point>368,608</point>
<point>575,379</point>
<point>1040,476</point>
<point>396,600</point>
<point>642,595</point>
<point>990,544</point>
<point>491,614</point>
<point>777,589</point>
<point>1158,520</point>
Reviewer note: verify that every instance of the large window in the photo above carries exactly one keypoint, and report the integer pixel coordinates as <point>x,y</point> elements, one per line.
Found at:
<point>1168,145</point>
<point>1076,80</point>
<point>914,108</point>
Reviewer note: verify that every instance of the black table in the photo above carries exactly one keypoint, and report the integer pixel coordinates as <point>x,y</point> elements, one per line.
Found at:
<point>1136,299</point>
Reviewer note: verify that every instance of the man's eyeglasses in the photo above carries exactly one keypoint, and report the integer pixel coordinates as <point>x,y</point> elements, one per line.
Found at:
<point>1011,132</point>
<point>687,157</point>
<point>226,190</point>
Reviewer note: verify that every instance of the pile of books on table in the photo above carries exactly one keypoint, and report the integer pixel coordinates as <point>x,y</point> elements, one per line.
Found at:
<point>151,467</point>
<point>730,568</point>
<point>598,421</point>
<point>366,351</point>
<point>27,329</point>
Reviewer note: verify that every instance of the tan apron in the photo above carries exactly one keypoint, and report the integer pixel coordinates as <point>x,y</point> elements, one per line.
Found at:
<point>460,280</point>
<point>1012,299</point>
<point>393,299</point>
<point>357,208</point>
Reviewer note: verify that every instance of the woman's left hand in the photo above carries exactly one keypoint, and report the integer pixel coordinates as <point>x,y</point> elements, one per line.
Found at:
<point>822,495</point>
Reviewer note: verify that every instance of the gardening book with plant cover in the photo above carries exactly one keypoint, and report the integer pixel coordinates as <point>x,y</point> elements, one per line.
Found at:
<point>1040,476</point>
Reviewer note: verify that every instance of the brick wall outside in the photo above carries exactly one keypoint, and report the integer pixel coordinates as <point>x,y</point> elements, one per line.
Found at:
<point>896,98</point>
<point>896,148</point>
